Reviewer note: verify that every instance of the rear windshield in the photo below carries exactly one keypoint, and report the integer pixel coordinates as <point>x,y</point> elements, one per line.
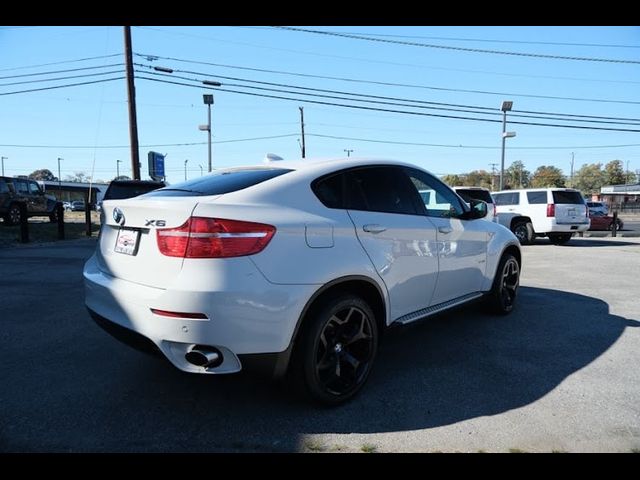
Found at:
<point>469,194</point>
<point>562,196</point>
<point>122,191</point>
<point>219,183</point>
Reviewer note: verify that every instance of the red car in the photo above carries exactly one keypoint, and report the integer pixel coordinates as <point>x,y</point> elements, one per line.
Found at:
<point>600,221</point>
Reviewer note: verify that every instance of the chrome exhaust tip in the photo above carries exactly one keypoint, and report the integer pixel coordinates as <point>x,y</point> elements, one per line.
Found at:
<point>203,356</point>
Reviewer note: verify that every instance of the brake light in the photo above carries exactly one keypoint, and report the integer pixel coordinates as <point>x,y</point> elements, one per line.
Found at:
<point>551,209</point>
<point>201,237</point>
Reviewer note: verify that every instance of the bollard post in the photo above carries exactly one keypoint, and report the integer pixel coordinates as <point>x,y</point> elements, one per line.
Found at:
<point>614,225</point>
<point>60,215</point>
<point>87,216</point>
<point>24,223</point>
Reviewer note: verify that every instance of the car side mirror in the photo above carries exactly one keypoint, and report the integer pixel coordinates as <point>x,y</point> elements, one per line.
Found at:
<point>479,209</point>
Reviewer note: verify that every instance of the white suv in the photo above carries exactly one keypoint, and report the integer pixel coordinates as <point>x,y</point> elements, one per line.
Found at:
<point>556,213</point>
<point>293,267</point>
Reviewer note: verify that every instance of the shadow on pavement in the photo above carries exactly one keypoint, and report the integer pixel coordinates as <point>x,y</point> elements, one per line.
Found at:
<point>68,386</point>
<point>585,242</point>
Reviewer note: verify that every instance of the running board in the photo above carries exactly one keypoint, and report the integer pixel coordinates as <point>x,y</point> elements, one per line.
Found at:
<point>425,312</point>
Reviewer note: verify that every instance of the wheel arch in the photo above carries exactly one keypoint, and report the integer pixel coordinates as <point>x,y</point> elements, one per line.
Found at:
<point>519,219</point>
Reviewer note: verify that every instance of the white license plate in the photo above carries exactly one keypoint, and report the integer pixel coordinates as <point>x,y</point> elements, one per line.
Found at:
<point>127,241</point>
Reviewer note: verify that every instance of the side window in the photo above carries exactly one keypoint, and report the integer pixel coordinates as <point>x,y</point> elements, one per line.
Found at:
<point>537,197</point>
<point>379,189</point>
<point>21,187</point>
<point>330,191</point>
<point>510,198</point>
<point>3,187</point>
<point>439,200</point>
<point>34,188</point>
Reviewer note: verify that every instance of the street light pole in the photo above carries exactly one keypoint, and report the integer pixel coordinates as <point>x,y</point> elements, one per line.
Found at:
<point>118,162</point>
<point>348,151</point>
<point>506,106</point>
<point>185,169</point>
<point>59,177</point>
<point>200,169</point>
<point>208,101</point>
<point>3,159</point>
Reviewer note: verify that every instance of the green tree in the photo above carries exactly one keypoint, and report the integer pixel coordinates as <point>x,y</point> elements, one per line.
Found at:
<point>42,174</point>
<point>547,176</point>
<point>614,173</point>
<point>590,178</point>
<point>477,178</point>
<point>516,176</point>
<point>78,177</point>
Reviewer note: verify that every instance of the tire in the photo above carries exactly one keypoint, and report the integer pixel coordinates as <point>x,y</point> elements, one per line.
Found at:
<point>13,215</point>
<point>524,232</point>
<point>53,217</point>
<point>501,299</point>
<point>336,350</point>
<point>560,238</point>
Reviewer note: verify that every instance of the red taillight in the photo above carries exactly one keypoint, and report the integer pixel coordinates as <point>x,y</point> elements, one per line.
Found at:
<point>551,209</point>
<point>201,237</point>
<point>167,313</point>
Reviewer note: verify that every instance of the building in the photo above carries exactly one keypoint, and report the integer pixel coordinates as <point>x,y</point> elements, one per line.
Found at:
<point>621,197</point>
<point>70,191</point>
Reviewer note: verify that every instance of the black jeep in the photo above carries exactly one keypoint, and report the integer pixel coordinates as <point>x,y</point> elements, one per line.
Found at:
<point>14,191</point>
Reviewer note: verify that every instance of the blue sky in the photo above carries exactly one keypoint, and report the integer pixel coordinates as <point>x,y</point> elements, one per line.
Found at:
<point>48,123</point>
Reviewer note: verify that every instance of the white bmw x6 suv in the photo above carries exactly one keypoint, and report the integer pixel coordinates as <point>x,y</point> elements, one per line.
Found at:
<point>294,267</point>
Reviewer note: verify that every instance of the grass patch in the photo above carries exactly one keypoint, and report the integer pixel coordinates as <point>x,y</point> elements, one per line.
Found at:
<point>40,232</point>
<point>517,450</point>
<point>559,451</point>
<point>635,450</point>
<point>368,448</point>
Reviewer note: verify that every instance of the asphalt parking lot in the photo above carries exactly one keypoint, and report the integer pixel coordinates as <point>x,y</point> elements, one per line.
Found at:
<point>562,373</point>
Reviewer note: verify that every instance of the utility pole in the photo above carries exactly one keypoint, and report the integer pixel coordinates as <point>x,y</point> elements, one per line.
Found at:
<point>118,162</point>
<point>348,151</point>
<point>131,95</point>
<point>185,169</point>
<point>493,175</point>
<point>207,98</point>
<point>3,159</point>
<point>572,158</point>
<point>302,128</point>
<point>200,169</point>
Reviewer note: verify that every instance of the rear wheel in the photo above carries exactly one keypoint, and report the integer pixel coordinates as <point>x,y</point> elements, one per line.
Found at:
<point>53,216</point>
<point>560,238</point>
<point>13,215</point>
<point>338,345</point>
<point>502,297</point>
<point>524,232</point>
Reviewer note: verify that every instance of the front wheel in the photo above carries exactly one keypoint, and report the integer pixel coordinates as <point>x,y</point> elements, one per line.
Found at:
<point>336,351</point>
<point>560,238</point>
<point>502,297</point>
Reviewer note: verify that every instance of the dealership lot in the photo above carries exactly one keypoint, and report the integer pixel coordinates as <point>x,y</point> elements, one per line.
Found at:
<point>560,374</point>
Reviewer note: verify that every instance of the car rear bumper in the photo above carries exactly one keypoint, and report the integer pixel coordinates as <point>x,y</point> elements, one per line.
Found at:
<point>254,318</point>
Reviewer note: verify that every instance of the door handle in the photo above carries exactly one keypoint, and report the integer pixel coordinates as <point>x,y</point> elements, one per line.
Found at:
<point>373,228</point>
<point>445,230</point>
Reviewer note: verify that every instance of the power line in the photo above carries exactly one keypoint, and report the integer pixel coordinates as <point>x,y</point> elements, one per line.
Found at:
<point>362,107</point>
<point>458,39</point>
<point>395,84</point>
<point>184,144</point>
<point>61,62</point>
<point>61,86</point>
<point>68,77</point>
<point>51,72</point>
<point>461,49</point>
<point>459,107</point>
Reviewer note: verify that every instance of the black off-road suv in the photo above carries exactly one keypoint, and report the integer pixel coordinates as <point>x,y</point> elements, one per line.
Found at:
<point>14,191</point>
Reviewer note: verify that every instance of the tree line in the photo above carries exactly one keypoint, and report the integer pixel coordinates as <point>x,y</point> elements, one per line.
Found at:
<point>46,174</point>
<point>588,179</point>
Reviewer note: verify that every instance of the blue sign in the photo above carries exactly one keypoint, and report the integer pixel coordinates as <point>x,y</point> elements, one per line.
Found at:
<point>156,165</point>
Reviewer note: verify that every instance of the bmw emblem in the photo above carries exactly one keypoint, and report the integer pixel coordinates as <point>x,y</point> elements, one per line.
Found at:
<point>118,216</point>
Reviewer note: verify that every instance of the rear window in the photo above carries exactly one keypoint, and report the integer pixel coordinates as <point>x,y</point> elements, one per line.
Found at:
<point>562,196</point>
<point>535,198</point>
<point>469,194</point>
<point>219,183</point>
<point>122,191</point>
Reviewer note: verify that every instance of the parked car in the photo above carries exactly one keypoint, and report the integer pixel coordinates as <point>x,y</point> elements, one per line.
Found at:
<point>597,207</point>
<point>479,193</point>
<point>78,206</point>
<point>600,221</point>
<point>295,268</point>
<point>14,191</point>
<point>556,213</point>
<point>66,206</point>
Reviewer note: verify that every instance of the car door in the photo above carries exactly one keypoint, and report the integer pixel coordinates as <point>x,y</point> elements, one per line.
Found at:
<point>37,200</point>
<point>462,243</point>
<point>398,239</point>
